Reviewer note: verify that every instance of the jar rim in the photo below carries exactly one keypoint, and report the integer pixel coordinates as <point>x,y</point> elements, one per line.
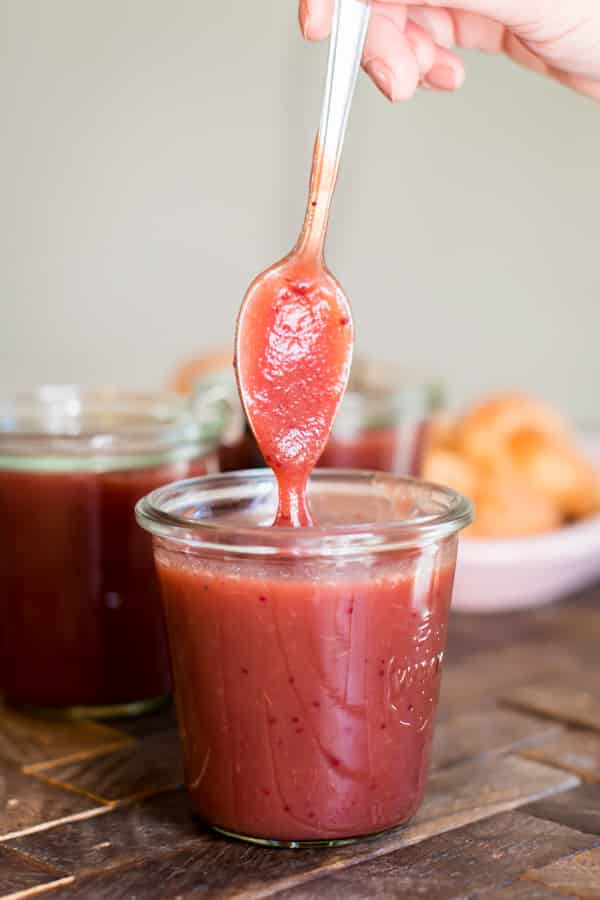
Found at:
<point>157,513</point>
<point>66,427</point>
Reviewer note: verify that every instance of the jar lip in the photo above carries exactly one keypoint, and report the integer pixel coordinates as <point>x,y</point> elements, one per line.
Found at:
<point>67,426</point>
<point>155,513</point>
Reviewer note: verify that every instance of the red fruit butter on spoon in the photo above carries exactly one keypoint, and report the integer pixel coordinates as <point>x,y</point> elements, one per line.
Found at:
<point>294,333</point>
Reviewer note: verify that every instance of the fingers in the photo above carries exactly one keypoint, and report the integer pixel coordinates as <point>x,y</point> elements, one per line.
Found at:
<point>388,55</point>
<point>422,47</point>
<point>447,26</point>
<point>447,72</point>
<point>315,15</point>
<point>315,18</point>
<point>436,22</point>
<point>475,32</point>
<point>409,42</point>
<point>456,28</point>
<point>400,55</point>
<point>509,12</point>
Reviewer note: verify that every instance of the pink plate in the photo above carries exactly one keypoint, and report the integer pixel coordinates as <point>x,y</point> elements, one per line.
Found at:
<point>516,573</point>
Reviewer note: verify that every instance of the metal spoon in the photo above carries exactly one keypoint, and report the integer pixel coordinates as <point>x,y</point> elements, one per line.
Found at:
<point>294,332</point>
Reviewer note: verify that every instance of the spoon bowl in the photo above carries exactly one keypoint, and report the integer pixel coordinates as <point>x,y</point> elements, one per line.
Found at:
<point>293,354</point>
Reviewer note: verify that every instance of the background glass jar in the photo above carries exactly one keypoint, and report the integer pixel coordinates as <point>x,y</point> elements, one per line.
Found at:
<point>216,396</point>
<point>306,661</point>
<point>82,626</point>
<point>383,421</point>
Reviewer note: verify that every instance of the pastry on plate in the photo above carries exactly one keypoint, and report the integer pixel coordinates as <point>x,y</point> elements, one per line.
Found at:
<point>520,463</point>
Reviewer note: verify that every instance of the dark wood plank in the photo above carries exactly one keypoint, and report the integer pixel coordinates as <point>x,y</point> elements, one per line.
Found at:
<point>27,803</point>
<point>19,873</point>
<point>162,823</point>
<point>472,860</point>
<point>467,634</point>
<point>578,808</point>
<point>27,740</point>
<point>574,623</point>
<point>456,796</point>
<point>526,890</point>
<point>578,875</point>
<point>474,790</point>
<point>573,750</point>
<point>579,622</point>
<point>487,731</point>
<point>510,649</point>
<point>572,697</point>
<point>136,769</point>
<point>481,677</point>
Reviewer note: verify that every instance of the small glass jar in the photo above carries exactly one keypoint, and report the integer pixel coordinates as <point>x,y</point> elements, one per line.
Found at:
<point>216,395</point>
<point>306,661</point>
<point>383,421</point>
<point>82,626</point>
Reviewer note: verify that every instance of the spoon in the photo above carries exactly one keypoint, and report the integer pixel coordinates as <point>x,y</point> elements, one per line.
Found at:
<point>293,346</point>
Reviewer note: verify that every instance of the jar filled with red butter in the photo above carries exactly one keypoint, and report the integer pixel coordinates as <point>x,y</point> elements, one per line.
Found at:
<point>306,661</point>
<point>82,626</point>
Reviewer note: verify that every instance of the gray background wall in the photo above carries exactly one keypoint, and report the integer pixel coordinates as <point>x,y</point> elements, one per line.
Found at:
<point>154,156</point>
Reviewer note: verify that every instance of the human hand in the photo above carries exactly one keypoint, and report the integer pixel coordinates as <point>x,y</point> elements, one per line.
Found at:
<point>410,42</point>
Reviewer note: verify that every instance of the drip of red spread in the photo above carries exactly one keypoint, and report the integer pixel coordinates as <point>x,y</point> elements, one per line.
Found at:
<point>293,352</point>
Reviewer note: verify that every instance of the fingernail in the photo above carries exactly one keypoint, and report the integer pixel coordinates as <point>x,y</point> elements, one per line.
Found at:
<point>382,77</point>
<point>442,77</point>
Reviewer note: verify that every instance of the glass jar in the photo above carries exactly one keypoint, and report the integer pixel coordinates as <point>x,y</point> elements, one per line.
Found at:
<point>383,421</point>
<point>217,396</point>
<point>306,661</point>
<point>82,626</point>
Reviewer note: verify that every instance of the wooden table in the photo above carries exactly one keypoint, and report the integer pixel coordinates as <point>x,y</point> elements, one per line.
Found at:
<point>512,809</point>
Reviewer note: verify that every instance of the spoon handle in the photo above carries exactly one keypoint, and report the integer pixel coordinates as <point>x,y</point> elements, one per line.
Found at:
<point>349,30</point>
